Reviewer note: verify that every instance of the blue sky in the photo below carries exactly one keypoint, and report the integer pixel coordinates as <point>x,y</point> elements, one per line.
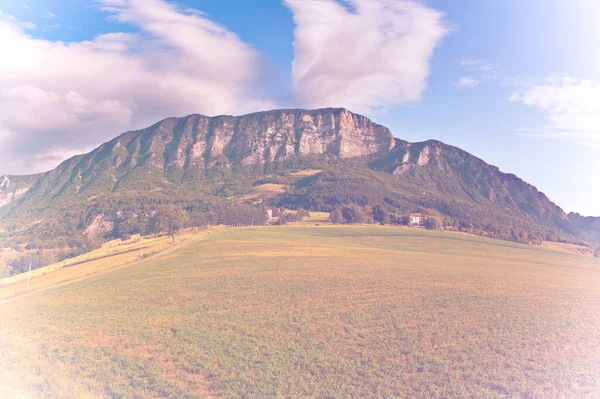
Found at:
<point>514,82</point>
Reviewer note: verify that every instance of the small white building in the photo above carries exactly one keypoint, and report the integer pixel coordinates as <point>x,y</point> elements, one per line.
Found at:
<point>269,214</point>
<point>416,219</point>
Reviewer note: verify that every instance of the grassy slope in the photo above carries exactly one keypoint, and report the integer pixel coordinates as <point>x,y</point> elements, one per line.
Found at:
<point>317,312</point>
<point>111,255</point>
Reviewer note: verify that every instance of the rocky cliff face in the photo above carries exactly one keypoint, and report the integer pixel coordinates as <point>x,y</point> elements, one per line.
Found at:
<point>190,145</point>
<point>13,187</point>
<point>589,224</point>
<point>202,141</point>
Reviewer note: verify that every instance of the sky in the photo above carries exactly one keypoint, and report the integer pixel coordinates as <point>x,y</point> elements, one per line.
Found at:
<point>516,83</point>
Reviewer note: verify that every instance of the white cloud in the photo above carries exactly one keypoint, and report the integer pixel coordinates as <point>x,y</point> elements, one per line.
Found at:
<point>474,64</point>
<point>480,71</point>
<point>572,108</point>
<point>25,6</point>
<point>49,15</point>
<point>26,25</point>
<point>57,98</point>
<point>362,54</point>
<point>468,82</point>
<point>47,28</point>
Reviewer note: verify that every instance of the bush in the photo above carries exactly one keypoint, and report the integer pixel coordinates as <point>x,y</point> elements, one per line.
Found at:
<point>432,223</point>
<point>336,216</point>
<point>354,214</point>
<point>381,215</point>
<point>301,214</point>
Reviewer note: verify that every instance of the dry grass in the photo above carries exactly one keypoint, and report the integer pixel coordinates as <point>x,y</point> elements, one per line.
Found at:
<point>271,188</point>
<point>568,248</point>
<point>316,217</point>
<point>306,173</point>
<point>264,191</point>
<point>317,312</point>
<point>111,255</point>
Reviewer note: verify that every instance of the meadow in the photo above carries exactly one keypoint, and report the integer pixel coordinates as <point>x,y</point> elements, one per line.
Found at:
<point>316,312</point>
<point>110,255</point>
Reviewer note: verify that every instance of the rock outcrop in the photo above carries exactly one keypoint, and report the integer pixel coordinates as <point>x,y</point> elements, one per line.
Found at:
<point>13,187</point>
<point>589,224</point>
<point>197,140</point>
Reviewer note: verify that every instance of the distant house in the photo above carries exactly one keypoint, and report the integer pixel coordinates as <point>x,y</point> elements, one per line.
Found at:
<point>416,219</point>
<point>269,214</point>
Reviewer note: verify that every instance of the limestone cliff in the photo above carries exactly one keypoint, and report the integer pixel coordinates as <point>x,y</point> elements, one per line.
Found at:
<point>198,140</point>
<point>13,187</point>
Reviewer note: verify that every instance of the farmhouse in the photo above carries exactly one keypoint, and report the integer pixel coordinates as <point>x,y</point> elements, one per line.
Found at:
<point>269,214</point>
<point>416,219</point>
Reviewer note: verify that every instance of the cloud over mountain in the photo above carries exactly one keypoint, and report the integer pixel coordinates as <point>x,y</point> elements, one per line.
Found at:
<point>362,54</point>
<point>57,97</point>
<point>60,98</point>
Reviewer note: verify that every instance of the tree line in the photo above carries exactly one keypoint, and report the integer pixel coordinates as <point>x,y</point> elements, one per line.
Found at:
<point>127,217</point>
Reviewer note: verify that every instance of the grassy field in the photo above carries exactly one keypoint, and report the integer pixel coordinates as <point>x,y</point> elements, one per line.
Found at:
<point>318,312</point>
<point>316,218</point>
<point>271,190</point>
<point>264,191</point>
<point>111,255</point>
<point>570,248</point>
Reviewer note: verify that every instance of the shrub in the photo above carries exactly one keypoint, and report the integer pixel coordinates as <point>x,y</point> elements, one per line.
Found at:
<point>336,216</point>
<point>432,223</point>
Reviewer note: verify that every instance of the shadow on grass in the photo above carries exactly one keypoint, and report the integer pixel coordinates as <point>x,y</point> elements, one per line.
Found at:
<point>103,257</point>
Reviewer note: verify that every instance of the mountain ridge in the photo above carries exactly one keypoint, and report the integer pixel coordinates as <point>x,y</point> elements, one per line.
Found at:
<point>223,156</point>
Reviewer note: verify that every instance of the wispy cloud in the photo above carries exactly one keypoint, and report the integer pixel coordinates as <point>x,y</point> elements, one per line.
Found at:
<point>49,15</point>
<point>474,64</point>
<point>27,25</point>
<point>179,63</point>
<point>571,106</point>
<point>47,28</point>
<point>480,71</point>
<point>362,54</point>
<point>25,6</point>
<point>8,18</point>
<point>468,82</point>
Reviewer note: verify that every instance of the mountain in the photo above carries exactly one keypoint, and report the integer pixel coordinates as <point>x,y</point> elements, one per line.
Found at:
<point>201,163</point>
<point>12,187</point>
<point>177,149</point>
<point>589,224</point>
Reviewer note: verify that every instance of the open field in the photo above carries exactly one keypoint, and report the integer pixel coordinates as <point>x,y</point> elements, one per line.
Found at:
<point>264,191</point>
<point>306,172</point>
<point>111,255</point>
<point>316,217</point>
<point>322,312</point>
<point>569,248</point>
<point>271,190</point>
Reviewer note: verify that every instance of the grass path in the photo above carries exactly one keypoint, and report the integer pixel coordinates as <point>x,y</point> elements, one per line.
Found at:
<point>64,283</point>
